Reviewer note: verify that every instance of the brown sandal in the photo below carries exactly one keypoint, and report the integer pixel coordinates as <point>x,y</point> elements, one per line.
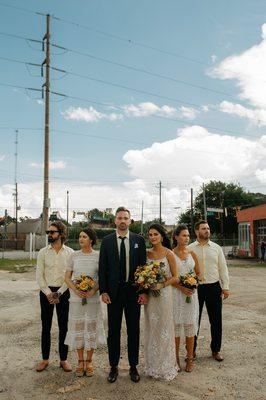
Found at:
<point>189,365</point>
<point>80,368</point>
<point>89,368</point>
<point>42,366</point>
<point>178,364</point>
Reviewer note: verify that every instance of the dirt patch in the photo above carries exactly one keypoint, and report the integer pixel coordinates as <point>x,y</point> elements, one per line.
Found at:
<point>239,377</point>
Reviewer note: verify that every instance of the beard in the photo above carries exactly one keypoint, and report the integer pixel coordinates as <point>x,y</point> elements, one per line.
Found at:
<point>51,239</point>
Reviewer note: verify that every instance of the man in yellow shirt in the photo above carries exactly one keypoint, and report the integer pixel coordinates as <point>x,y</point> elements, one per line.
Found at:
<point>214,283</point>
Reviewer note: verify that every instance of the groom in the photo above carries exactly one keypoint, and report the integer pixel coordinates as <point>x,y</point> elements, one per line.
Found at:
<point>121,253</point>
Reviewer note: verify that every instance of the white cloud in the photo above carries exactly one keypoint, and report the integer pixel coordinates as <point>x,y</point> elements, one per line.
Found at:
<point>188,112</point>
<point>248,69</point>
<point>141,110</point>
<point>255,116</point>
<point>194,156</point>
<point>2,157</point>
<point>213,58</point>
<point>52,165</point>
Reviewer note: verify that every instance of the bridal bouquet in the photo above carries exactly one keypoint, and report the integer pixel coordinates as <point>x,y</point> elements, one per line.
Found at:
<point>190,281</point>
<point>84,283</point>
<point>147,276</point>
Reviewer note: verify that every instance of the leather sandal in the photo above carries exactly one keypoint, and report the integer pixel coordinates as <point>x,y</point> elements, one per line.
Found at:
<point>178,364</point>
<point>89,368</point>
<point>80,368</point>
<point>189,364</point>
<point>66,366</point>
<point>42,366</point>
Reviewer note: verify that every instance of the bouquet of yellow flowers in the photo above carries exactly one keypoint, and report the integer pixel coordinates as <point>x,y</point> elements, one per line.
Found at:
<point>148,275</point>
<point>84,283</point>
<point>190,281</point>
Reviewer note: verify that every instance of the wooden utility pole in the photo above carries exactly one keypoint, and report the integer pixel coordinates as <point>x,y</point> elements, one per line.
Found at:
<point>204,202</point>
<point>160,202</point>
<point>141,226</point>
<point>16,190</point>
<point>46,200</point>
<point>67,211</point>
<point>191,212</point>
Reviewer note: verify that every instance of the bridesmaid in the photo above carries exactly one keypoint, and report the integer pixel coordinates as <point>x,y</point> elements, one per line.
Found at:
<point>185,314</point>
<point>85,323</point>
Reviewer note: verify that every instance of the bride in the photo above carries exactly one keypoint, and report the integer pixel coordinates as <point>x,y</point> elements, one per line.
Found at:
<point>159,346</point>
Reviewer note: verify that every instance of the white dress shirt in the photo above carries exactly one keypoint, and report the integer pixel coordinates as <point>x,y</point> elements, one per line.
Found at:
<point>127,250</point>
<point>212,263</point>
<point>51,268</point>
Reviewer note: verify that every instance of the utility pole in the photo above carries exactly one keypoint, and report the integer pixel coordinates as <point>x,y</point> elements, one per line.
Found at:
<point>16,189</point>
<point>204,202</point>
<point>191,212</point>
<point>67,210</point>
<point>141,226</point>
<point>46,200</point>
<point>160,202</point>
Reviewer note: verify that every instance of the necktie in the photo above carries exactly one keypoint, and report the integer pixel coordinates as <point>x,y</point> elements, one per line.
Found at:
<point>122,260</point>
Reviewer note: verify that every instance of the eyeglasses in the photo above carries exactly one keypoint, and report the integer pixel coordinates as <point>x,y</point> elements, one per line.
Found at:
<point>51,232</point>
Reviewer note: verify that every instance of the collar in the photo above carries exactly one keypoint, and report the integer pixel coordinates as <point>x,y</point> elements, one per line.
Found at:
<point>127,235</point>
<point>50,247</point>
<point>205,244</point>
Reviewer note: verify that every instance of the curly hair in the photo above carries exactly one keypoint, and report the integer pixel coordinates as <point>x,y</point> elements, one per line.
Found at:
<point>61,229</point>
<point>177,231</point>
<point>159,228</point>
<point>91,233</point>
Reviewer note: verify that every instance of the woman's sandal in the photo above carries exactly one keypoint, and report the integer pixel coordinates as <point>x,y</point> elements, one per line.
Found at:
<point>178,364</point>
<point>189,365</point>
<point>89,368</point>
<point>80,368</point>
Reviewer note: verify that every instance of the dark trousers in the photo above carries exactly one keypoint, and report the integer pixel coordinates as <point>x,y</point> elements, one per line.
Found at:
<point>47,311</point>
<point>210,294</point>
<point>126,300</point>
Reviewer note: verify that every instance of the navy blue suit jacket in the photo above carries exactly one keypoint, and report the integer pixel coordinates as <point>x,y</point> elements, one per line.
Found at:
<point>109,262</point>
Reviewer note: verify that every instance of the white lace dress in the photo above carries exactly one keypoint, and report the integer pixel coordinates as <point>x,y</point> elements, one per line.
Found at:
<point>159,344</point>
<point>186,315</point>
<point>85,322</point>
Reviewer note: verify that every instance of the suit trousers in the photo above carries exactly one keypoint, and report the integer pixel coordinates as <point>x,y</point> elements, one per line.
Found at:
<point>47,311</point>
<point>126,300</point>
<point>210,294</point>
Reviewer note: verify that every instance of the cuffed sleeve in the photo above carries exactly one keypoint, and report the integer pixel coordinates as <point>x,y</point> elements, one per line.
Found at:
<point>223,270</point>
<point>40,278</point>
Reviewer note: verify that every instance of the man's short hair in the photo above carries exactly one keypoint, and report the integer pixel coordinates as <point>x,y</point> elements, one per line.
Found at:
<point>61,228</point>
<point>198,223</point>
<point>122,209</point>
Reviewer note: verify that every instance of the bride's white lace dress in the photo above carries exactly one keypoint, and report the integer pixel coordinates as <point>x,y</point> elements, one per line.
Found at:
<point>159,342</point>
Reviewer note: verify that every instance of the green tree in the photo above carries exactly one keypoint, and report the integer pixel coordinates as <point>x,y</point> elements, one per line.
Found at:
<point>228,196</point>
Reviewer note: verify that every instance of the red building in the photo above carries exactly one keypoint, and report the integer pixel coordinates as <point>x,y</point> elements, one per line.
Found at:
<point>251,230</point>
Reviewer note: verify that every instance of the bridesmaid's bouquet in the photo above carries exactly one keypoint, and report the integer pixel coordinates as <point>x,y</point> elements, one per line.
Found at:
<point>190,281</point>
<point>148,275</point>
<point>84,283</point>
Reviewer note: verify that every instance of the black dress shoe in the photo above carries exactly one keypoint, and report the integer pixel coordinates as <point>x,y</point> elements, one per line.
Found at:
<point>134,375</point>
<point>112,374</point>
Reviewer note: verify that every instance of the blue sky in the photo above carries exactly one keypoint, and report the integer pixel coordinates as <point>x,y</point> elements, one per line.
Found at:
<point>193,42</point>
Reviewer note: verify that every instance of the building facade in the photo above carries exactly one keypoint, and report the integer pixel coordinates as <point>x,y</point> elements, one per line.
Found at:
<point>251,230</point>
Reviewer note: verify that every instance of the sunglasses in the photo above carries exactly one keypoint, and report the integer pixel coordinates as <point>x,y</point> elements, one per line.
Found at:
<point>51,232</point>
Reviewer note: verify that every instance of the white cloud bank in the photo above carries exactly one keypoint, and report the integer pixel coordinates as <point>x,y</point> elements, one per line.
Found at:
<point>194,156</point>
<point>248,71</point>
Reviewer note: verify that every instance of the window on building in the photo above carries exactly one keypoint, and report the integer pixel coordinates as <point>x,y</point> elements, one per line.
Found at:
<point>244,236</point>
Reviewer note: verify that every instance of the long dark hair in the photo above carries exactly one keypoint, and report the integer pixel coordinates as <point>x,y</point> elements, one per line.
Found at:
<point>177,231</point>
<point>159,228</point>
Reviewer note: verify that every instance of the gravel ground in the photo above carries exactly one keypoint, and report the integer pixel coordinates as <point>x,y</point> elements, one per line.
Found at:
<point>241,376</point>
